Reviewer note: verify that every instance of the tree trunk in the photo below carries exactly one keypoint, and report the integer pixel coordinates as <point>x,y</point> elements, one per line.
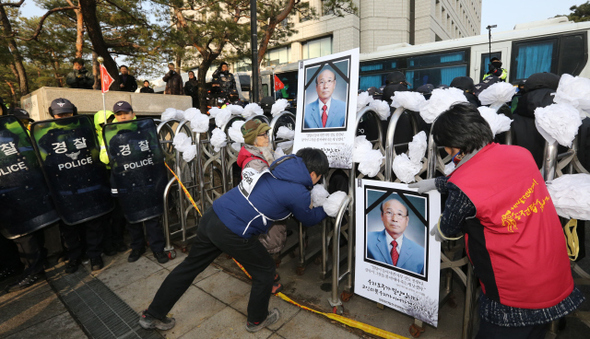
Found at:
<point>201,79</point>
<point>95,34</point>
<point>23,84</point>
<point>79,32</point>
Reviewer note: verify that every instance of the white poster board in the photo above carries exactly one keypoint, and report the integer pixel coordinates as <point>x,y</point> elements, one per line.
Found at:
<point>411,285</point>
<point>328,85</point>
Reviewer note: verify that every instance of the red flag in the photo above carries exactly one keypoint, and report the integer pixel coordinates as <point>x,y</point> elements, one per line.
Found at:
<point>105,78</point>
<point>278,84</point>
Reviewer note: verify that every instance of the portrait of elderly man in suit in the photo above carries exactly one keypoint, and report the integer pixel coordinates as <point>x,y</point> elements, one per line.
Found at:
<point>326,111</point>
<point>390,246</point>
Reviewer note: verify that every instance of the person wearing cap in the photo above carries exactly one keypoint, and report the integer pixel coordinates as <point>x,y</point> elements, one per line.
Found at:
<point>22,116</point>
<point>226,79</point>
<point>127,82</point>
<point>153,227</point>
<point>80,77</point>
<point>257,154</point>
<point>467,86</point>
<point>232,226</point>
<point>233,98</point>
<point>89,232</point>
<point>495,68</point>
<point>146,87</point>
<point>325,111</point>
<point>395,82</point>
<point>173,81</point>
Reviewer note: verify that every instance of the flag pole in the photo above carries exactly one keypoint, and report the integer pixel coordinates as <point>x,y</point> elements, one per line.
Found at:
<point>104,104</point>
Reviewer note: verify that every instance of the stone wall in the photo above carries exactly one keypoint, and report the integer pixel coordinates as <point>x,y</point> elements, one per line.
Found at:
<point>90,101</point>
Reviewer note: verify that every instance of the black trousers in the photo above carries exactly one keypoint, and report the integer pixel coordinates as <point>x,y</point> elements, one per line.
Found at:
<point>154,231</point>
<point>212,239</point>
<point>490,331</point>
<point>31,249</point>
<point>89,232</point>
<point>114,228</point>
<point>9,256</point>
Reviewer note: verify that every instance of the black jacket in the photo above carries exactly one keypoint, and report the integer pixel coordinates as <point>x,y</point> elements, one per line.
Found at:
<point>129,84</point>
<point>80,79</point>
<point>173,83</point>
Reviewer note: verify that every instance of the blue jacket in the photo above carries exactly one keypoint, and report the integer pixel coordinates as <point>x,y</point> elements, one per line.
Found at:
<point>276,196</point>
<point>336,114</point>
<point>411,256</point>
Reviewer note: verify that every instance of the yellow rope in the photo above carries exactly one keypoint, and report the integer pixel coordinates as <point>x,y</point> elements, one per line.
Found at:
<point>184,189</point>
<point>571,239</point>
<point>349,322</point>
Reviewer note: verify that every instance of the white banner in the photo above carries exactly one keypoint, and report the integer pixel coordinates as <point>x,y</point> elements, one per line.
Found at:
<point>326,110</point>
<point>408,279</point>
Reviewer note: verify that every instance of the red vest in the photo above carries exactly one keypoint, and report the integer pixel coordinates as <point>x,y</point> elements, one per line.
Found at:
<point>515,242</point>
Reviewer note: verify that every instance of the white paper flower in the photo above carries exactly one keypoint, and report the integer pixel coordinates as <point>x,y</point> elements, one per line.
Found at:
<point>213,111</point>
<point>382,109</point>
<point>279,106</point>
<point>218,139</point>
<point>405,169</point>
<point>371,163</point>
<point>408,100</point>
<point>319,195</point>
<point>189,153</point>
<point>200,123</point>
<point>279,153</point>
<point>285,133</point>
<point>235,109</point>
<point>333,203</point>
<point>222,117</point>
<point>363,100</point>
<point>285,145</point>
<point>440,101</point>
<point>191,113</point>
<point>168,114</point>
<point>235,131</point>
<point>181,141</point>
<point>236,146</point>
<point>361,147</point>
<point>574,91</point>
<point>571,195</point>
<point>251,110</point>
<point>497,94</point>
<point>499,123</point>
<point>417,147</point>
<point>559,121</point>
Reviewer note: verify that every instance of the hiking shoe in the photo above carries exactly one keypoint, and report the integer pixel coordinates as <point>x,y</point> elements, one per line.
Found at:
<point>149,323</point>
<point>161,256</point>
<point>135,254</point>
<point>72,265</point>
<point>272,317</point>
<point>96,263</point>
<point>26,281</point>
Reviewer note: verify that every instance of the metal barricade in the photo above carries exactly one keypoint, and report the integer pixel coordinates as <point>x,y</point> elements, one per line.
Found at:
<point>390,144</point>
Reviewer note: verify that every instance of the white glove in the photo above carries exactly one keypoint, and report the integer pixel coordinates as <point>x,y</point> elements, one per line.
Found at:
<point>424,185</point>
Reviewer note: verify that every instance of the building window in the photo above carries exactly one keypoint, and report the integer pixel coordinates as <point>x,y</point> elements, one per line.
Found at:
<point>317,48</point>
<point>278,56</point>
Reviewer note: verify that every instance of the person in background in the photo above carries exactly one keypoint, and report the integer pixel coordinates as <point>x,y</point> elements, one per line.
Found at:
<point>22,115</point>
<point>80,77</point>
<point>495,68</point>
<point>513,235</point>
<point>173,81</point>
<point>467,86</point>
<point>191,88</point>
<point>146,87</point>
<point>227,81</point>
<point>127,81</point>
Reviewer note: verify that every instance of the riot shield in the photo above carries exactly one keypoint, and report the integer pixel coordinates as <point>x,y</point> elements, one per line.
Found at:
<point>137,165</point>
<point>24,196</point>
<point>77,180</point>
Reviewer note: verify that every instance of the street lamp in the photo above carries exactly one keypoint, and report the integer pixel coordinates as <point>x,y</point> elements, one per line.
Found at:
<point>489,28</point>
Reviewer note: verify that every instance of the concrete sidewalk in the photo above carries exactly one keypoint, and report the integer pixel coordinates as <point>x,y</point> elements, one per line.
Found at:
<point>213,307</point>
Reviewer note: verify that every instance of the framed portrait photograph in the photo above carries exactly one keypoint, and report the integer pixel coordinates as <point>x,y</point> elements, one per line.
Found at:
<point>397,258</point>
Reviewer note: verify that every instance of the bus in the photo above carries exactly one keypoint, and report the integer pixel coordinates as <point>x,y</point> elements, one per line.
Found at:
<point>554,45</point>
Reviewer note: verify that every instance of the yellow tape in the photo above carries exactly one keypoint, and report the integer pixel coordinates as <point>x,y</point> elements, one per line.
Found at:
<point>571,239</point>
<point>190,198</point>
<point>346,321</point>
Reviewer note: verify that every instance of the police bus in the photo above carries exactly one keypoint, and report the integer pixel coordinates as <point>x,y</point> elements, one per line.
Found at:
<point>555,45</point>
